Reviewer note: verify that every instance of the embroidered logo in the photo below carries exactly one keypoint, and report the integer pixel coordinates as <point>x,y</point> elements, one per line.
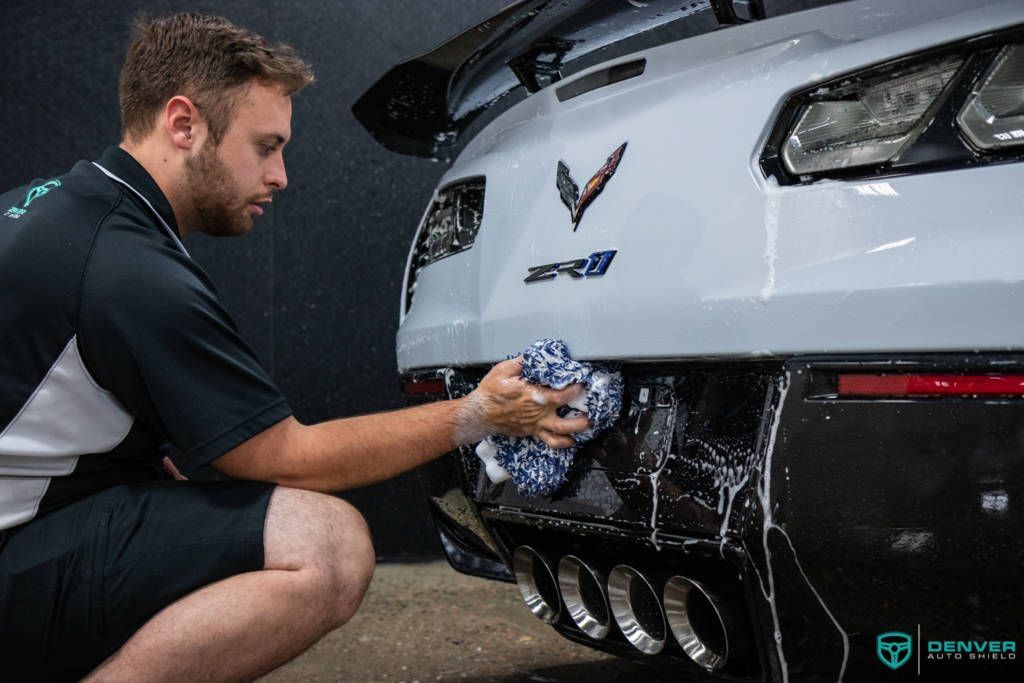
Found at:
<point>33,194</point>
<point>39,191</point>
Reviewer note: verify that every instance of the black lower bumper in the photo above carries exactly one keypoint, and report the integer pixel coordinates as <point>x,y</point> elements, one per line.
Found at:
<point>823,521</point>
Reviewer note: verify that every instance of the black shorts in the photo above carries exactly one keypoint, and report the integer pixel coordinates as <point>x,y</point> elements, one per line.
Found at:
<point>77,583</point>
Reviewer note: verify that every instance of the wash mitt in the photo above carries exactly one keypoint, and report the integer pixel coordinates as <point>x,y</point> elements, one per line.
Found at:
<point>534,467</point>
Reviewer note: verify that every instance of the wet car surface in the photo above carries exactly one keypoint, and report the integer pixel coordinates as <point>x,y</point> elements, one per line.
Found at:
<point>794,234</point>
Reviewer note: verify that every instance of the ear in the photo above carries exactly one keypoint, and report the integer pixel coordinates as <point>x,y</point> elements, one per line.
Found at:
<point>182,122</point>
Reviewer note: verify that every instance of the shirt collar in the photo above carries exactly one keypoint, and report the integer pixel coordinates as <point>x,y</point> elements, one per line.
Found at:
<point>124,165</point>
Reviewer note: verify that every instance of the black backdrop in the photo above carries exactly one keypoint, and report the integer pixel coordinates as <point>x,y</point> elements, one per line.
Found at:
<point>315,287</point>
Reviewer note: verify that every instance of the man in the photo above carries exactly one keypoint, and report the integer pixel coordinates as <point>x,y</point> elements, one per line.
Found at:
<point>113,342</point>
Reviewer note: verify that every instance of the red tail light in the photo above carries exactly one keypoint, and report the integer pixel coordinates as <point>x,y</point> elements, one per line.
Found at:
<point>424,388</point>
<point>931,385</point>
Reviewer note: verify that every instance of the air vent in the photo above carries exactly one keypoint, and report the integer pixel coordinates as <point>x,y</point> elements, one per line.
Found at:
<point>599,79</point>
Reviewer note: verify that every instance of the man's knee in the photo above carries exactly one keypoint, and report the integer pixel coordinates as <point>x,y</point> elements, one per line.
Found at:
<point>326,538</point>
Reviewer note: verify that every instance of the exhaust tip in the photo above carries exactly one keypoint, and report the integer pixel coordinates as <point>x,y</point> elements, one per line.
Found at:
<point>584,597</point>
<point>636,608</point>
<point>536,583</point>
<point>697,622</point>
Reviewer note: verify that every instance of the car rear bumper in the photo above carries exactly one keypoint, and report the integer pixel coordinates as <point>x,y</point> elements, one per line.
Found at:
<point>818,522</point>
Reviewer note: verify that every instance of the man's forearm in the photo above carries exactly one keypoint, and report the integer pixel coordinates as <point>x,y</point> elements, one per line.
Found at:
<point>353,451</point>
<point>356,451</point>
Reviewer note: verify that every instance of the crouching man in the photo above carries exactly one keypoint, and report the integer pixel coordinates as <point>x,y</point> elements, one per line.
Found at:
<point>113,342</point>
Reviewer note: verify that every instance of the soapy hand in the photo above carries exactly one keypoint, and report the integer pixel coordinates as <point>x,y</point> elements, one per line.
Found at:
<point>505,403</point>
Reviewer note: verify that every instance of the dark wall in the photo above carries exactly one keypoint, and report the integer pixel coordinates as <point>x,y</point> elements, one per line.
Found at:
<point>315,286</point>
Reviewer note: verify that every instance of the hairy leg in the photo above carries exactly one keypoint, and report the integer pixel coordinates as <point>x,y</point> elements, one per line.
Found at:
<point>318,564</point>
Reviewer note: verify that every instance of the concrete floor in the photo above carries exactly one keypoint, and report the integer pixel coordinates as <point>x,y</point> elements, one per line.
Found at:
<point>426,622</point>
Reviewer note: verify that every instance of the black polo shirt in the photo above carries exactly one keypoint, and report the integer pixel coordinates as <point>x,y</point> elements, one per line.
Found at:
<point>113,342</point>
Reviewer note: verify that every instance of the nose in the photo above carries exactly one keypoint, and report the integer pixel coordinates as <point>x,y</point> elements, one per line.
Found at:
<point>276,177</point>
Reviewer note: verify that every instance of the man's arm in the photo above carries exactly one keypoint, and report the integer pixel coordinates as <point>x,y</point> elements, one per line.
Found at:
<point>357,451</point>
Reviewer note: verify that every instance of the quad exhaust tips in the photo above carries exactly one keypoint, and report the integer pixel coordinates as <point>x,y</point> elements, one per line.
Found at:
<point>583,592</point>
<point>689,611</point>
<point>697,621</point>
<point>536,583</point>
<point>637,610</point>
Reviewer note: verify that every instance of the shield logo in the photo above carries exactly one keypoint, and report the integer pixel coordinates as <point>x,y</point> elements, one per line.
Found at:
<point>893,648</point>
<point>570,191</point>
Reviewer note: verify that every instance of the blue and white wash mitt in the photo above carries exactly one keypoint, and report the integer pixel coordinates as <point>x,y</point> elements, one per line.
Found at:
<point>534,467</point>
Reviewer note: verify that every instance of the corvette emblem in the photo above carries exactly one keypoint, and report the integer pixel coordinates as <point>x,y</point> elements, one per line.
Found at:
<point>594,265</point>
<point>570,192</point>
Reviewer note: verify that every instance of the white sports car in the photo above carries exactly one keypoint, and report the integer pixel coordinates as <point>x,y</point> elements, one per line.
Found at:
<point>797,229</point>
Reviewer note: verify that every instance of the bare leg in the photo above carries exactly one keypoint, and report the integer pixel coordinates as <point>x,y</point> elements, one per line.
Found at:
<point>318,564</point>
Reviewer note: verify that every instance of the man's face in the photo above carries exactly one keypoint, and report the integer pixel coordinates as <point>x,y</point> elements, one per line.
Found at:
<point>228,182</point>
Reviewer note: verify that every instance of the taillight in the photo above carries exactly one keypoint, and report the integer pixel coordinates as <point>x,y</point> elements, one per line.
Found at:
<point>897,385</point>
<point>449,227</point>
<point>956,105</point>
<point>424,388</point>
<point>993,117</point>
<point>867,122</point>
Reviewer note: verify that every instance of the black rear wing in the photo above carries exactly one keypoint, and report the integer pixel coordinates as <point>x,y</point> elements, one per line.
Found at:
<point>426,106</point>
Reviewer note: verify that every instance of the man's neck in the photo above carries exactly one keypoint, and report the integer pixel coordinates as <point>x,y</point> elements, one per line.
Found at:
<point>165,171</point>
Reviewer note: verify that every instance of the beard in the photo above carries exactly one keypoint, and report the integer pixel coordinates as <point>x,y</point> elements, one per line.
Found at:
<point>219,210</point>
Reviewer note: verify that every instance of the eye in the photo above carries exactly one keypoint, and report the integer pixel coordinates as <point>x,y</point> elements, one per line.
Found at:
<point>267,147</point>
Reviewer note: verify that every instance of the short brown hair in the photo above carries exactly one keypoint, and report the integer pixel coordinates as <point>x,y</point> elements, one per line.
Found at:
<point>205,58</point>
